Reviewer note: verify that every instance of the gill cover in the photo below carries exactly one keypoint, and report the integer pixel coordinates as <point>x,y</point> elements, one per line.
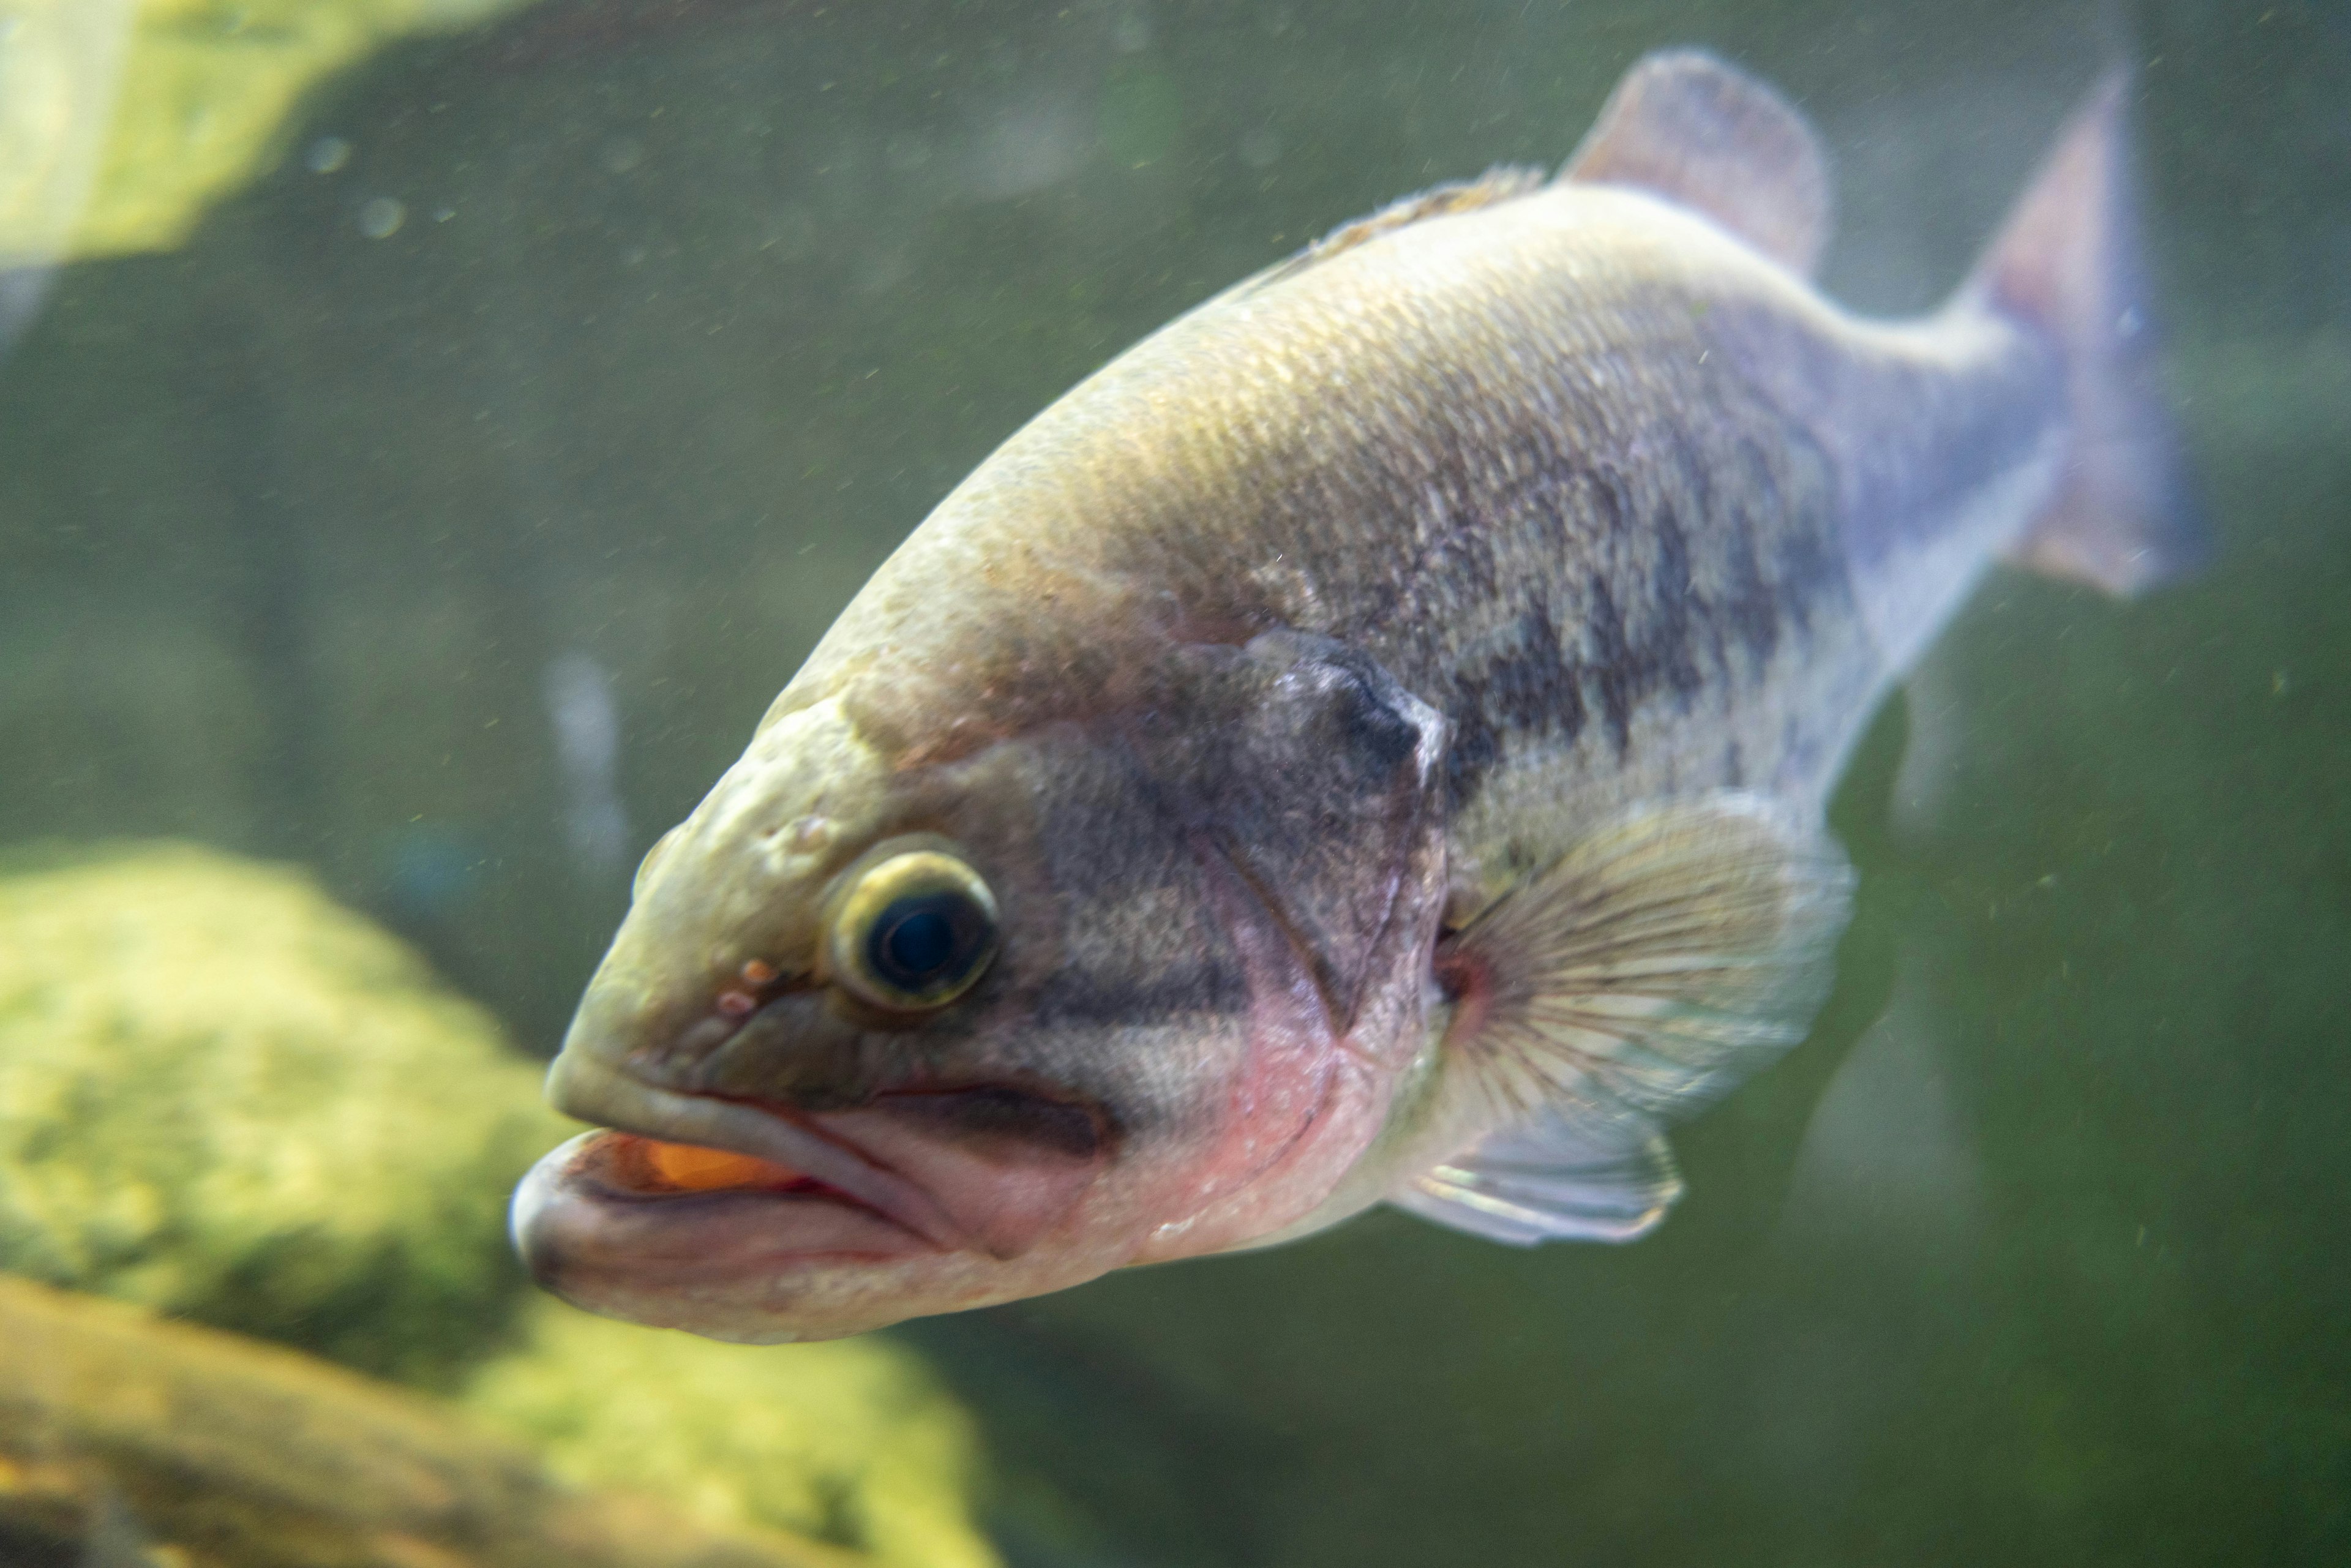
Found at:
<point>1313,800</point>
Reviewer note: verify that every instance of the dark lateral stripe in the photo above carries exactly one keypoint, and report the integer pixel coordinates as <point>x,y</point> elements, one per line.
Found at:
<point>1604,641</point>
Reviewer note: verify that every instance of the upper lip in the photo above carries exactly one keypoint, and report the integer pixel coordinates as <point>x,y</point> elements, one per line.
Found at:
<point>592,1091</point>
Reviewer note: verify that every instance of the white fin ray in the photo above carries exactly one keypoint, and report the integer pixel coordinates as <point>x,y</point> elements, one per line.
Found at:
<point>1657,964</point>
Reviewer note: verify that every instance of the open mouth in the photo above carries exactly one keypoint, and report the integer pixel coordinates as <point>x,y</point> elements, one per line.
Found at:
<point>652,1168</point>
<point>683,1195</point>
<point>682,1191</point>
<point>853,1205</point>
<point>644,1226</point>
<point>667,1146</point>
<point>631,1168</point>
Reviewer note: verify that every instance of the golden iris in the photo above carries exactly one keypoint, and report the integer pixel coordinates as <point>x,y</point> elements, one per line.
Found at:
<point>915,931</point>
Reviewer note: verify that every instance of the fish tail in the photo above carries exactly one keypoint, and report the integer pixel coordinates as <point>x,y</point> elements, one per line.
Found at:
<point>2067,263</point>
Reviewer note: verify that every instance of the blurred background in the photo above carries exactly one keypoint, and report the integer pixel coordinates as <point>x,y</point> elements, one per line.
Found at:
<point>431,431</point>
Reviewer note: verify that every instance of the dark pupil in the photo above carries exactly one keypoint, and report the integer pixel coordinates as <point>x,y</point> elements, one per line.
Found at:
<point>924,940</point>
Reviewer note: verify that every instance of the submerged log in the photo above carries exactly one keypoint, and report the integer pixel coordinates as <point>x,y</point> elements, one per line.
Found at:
<point>132,1442</point>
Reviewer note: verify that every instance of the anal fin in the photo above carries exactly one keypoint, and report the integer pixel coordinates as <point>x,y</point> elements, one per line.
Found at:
<point>1658,963</point>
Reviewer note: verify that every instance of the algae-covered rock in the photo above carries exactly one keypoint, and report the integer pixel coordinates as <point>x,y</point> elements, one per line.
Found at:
<point>851,1440</point>
<point>225,1096</point>
<point>171,104</point>
<point>125,1440</point>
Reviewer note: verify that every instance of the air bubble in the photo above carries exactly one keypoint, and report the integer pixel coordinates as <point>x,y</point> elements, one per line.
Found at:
<point>380,217</point>
<point>1130,32</point>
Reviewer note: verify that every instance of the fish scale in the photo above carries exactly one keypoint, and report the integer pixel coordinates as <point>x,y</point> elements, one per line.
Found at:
<point>1380,724</point>
<point>1556,445</point>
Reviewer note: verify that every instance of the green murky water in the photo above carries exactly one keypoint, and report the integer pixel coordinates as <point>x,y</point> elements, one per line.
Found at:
<point>439,511</point>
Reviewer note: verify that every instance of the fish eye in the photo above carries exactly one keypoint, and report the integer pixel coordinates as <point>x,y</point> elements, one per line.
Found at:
<point>915,931</point>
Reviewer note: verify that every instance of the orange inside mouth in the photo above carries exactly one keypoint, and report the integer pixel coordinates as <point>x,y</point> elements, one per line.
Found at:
<point>688,1168</point>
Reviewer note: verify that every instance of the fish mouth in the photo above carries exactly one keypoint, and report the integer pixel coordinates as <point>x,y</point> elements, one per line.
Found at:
<point>777,1151</point>
<point>693,1211</point>
<point>612,1197</point>
<point>632,1228</point>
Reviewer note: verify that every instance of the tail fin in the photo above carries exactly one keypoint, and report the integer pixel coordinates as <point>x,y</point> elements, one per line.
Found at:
<point>2067,263</point>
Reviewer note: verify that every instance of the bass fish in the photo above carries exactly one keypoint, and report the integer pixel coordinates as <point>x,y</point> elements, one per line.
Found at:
<point>1366,744</point>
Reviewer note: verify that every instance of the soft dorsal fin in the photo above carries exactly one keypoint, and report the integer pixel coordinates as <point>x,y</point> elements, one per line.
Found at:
<point>1502,182</point>
<point>1704,134</point>
<point>1656,965</point>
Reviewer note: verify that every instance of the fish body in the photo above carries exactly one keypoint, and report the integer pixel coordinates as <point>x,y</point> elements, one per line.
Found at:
<point>1368,742</point>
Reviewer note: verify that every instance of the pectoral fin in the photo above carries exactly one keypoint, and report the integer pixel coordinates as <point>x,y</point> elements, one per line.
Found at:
<point>1657,964</point>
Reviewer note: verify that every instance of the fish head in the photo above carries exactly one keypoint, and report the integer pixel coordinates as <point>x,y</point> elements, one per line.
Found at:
<point>891,1031</point>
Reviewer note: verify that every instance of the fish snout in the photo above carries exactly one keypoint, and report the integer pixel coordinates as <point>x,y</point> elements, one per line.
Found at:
<point>730,903</point>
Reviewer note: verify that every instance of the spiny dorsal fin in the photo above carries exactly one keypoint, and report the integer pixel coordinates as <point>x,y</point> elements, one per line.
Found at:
<point>1656,965</point>
<point>1705,135</point>
<point>1502,182</point>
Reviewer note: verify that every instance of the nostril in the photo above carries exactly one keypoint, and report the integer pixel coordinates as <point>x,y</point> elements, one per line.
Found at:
<point>801,835</point>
